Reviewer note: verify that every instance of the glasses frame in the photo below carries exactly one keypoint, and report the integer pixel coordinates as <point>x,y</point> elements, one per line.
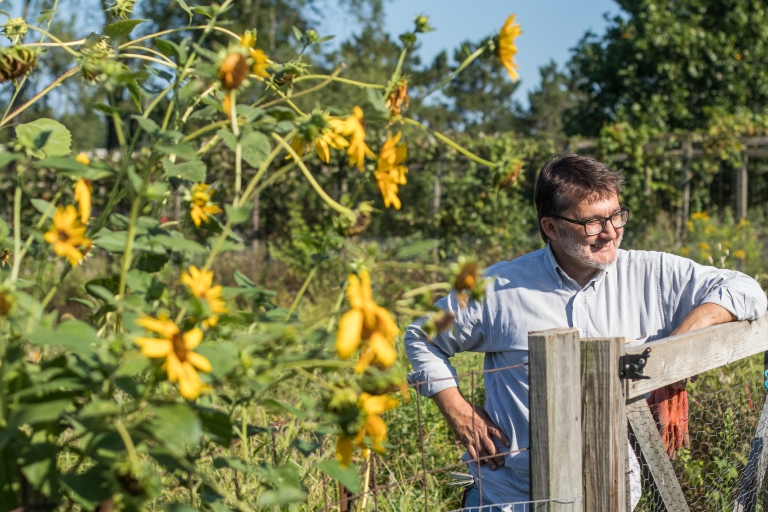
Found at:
<point>583,223</point>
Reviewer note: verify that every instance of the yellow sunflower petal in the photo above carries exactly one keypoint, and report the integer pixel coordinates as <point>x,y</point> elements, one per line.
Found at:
<point>385,352</point>
<point>199,361</point>
<point>154,347</point>
<point>348,333</point>
<point>193,338</point>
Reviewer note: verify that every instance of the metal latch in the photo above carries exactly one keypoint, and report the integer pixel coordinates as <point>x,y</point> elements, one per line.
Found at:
<point>631,365</point>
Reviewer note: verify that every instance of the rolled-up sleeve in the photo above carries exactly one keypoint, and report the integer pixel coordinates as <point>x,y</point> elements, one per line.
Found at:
<point>685,285</point>
<point>430,359</point>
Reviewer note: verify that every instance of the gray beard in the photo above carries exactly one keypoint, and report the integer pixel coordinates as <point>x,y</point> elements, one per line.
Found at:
<point>572,248</point>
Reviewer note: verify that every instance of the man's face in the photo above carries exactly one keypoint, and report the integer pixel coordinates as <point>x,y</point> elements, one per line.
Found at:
<point>597,251</point>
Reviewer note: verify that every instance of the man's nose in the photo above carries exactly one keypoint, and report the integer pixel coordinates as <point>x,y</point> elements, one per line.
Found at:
<point>610,231</point>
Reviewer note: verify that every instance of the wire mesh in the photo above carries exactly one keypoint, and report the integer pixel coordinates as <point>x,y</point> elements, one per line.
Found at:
<point>555,505</point>
<point>415,473</point>
<point>721,468</point>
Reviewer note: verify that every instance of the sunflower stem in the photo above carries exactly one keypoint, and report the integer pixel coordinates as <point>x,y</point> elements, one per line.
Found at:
<point>362,502</point>
<point>477,53</point>
<point>396,75</point>
<point>127,441</point>
<point>16,232</point>
<point>340,80</point>
<point>330,78</point>
<point>315,185</point>
<point>128,250</point>
<point>451,143</point>
<point>301,292</point>
<point>39,95</point>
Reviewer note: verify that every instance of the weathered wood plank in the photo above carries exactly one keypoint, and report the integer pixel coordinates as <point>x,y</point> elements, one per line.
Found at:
<point>657,468</point>
<point>554,372</point>
<point>754,471</point>
<point>679,357</point>
<point>604,428</point>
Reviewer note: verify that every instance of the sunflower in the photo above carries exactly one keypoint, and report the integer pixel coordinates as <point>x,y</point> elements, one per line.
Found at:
<point>323,144</point>
<point>201,206</point>
<point>233,70</point>
<point>389,173</point>
<point>200,284</point>
<point>352,128</point>
<point>506,48</point>
<point>181,363</point>
<point>83,189</point>
<point>259,58</point>
<point>374,427</point>
<point>366,324</point>
<point>67,235</point>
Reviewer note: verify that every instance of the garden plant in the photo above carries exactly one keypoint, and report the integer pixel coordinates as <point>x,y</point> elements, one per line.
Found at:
<point>152,384</point>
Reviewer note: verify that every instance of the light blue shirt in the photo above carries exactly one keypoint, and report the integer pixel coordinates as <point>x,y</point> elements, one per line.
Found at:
<point>643,294</point>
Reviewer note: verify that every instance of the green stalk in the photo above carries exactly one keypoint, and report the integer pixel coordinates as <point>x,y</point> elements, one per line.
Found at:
<point>127,441</point>
<point>396,75</point>
<point>50,36</point>
<point>127,252</point>
<point>330,78</point>
<point>311,179</point>
<point>340,80</point>
<point>16,232</point>
<point>301,293</point>
<point>39,95</point>
<point>204,129</point>
<point>238,146</point>
<point>451,143</point>
<point>458,70</point>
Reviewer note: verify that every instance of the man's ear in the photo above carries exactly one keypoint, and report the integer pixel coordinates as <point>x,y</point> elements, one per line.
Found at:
<point>549,228</point>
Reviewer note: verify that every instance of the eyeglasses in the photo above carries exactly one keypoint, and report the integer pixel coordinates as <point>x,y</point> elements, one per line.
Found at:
<point>596,225</point>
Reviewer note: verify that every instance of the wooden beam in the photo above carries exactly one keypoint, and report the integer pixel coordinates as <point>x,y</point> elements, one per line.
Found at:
<point>679,357</point>
<point>604,428</point>
<point>555,414</point>
<point>657,468</point>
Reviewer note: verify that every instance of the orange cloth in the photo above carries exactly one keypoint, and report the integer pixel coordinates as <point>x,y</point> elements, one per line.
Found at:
<point>670,410</point>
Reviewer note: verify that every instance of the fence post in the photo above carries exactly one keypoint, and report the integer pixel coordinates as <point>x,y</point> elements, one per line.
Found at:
<point>554,366</point>
<point>742,192</point>
<point>604,434</point>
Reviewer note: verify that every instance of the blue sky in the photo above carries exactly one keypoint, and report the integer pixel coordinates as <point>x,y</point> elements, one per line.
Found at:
<point>550,27</point>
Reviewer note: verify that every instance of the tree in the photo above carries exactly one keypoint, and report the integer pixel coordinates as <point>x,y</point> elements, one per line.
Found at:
<point>667,63</point>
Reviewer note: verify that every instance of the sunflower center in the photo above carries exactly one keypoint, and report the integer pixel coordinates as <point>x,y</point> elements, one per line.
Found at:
<point>179,347</point>
<point>63,236</point>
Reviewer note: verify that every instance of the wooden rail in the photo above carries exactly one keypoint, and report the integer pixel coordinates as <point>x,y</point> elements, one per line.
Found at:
<point>580,410</point>
<point>680,357</point>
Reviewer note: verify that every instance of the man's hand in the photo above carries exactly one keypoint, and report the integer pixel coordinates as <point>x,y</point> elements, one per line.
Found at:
<point>473,427</point>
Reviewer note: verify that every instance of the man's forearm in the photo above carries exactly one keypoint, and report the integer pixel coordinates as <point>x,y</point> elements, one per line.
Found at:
<point>704,316</point>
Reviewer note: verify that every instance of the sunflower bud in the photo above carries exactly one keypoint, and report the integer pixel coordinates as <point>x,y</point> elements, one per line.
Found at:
<point>15,27</point>
<point>422,24</point>
<point>16,62</point>
<point>6,302</point>
<point>312,36</point>
<point>233,71</point>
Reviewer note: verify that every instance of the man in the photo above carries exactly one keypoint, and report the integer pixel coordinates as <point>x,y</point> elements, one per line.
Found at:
<point>580,279</point>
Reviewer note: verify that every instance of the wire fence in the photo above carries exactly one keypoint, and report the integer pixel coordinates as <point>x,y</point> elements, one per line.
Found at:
<point>716,472</point>
<point>420,468</point>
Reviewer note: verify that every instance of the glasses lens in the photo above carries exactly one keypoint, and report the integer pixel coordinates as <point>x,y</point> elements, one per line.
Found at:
<point>620,218</point>
<point>594,227</point>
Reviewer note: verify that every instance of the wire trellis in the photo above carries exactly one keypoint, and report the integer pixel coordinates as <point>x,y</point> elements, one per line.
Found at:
<point>716,473</point>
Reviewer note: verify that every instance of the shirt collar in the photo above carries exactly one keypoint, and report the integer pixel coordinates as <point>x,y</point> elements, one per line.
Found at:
<point>558,273</point>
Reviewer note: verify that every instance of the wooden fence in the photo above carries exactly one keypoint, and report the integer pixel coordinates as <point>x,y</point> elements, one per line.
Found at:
<point>579,413</point>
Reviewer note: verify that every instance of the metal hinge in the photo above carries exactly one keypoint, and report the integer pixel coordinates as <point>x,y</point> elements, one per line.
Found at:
<point>631,365</point>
